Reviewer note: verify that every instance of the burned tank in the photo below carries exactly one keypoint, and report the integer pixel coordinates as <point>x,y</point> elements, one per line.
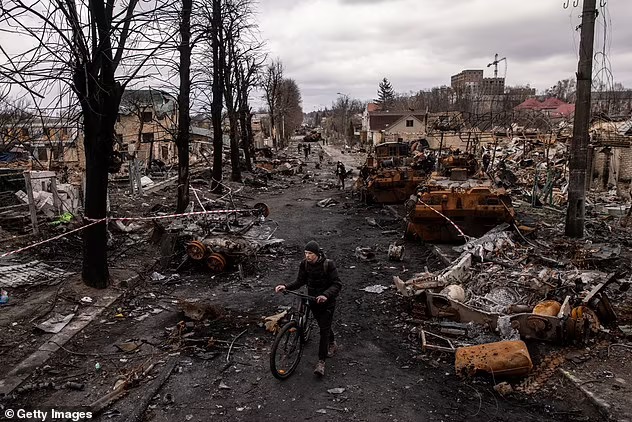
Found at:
<point>392,173</point>
<point>457,200</point>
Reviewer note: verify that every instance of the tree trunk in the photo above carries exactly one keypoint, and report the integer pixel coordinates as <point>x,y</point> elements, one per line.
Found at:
<point>216,105</point>
<point>95,263</point>
<point>273,130</point>
<point>245,139</point>
<point>184,116</point>
<point>250,135</point>
<point>234,148</point>
<point>242,105</point>
<point>228,53</point>
<point>99,103</point>
<point>151,156</point>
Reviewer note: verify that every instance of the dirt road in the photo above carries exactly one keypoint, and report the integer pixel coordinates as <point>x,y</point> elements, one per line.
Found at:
<point>380,371</point>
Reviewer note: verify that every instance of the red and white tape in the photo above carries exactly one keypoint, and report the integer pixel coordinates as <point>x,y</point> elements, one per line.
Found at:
<point>51,239</point>
<point>188,214</point>
<point>108,219</point>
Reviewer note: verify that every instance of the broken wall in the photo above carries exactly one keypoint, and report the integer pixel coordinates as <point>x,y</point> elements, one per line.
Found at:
<point>620,168</point>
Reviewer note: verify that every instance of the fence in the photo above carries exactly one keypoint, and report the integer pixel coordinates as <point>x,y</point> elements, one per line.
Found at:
<point>28,197</point>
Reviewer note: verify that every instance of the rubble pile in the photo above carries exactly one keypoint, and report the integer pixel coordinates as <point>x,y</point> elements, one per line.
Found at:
<point>521,166</point>
<point>224,239</point>
<point>551,289</point>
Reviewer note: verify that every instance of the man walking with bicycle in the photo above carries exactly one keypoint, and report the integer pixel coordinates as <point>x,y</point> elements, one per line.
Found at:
<point>321,277</point>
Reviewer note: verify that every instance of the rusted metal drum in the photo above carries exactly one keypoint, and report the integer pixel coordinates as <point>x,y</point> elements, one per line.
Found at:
<point>196,250</point>
<point>216,262</point>
<point>547,307</point>
<point>505,358</point>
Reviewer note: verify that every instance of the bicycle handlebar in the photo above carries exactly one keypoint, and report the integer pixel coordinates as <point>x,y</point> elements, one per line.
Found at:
<point>285,292</point>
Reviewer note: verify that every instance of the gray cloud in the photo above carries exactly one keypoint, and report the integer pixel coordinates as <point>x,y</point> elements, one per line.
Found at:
<point>331,46</point>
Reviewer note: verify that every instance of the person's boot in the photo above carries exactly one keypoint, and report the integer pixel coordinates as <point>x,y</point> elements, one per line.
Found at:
<point>320,368</point>
<point>331,350</point>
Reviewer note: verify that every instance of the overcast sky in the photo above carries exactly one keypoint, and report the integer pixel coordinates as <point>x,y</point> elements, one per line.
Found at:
<point>348,46</point>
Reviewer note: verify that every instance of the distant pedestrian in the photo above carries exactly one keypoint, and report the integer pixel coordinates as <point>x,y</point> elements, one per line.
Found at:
<point>321,155</point>
<point>486,160</point>
<point>306,151</point>
<point>341,172</point>
<point>309,148</point>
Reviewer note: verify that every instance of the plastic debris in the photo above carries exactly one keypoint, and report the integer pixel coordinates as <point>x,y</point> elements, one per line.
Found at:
<point>376,288</point>
<point>55,324</point>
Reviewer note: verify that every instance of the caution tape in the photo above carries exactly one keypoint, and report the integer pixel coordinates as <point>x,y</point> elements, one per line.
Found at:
<point>188,214</point>
<point>51,239</point>
<point>93,221</point>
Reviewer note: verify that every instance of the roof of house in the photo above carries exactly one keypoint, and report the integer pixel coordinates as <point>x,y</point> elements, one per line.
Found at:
<point>382,120</point>
<point>529,104</point>
<point>555,106</point>
<point>162,102</point>
<point>551,103</point>
<point>201,131</point>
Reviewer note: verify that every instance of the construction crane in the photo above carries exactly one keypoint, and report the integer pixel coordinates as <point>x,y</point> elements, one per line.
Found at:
<point>495,64</point>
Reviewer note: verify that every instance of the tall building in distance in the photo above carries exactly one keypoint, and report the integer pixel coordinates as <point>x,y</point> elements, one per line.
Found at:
<point>473,81</point>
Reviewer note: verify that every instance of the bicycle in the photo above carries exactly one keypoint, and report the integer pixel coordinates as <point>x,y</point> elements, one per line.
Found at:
<point>288,345</point>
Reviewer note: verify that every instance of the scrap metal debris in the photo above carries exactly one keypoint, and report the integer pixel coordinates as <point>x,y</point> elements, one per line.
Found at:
<point>272,322</point>
<point>218,242</point>
<point>505,358</point>
<point>32,273</point>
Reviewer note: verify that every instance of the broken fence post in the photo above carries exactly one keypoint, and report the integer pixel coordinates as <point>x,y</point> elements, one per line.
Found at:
<point>32,208</point>
<point>56,199</point>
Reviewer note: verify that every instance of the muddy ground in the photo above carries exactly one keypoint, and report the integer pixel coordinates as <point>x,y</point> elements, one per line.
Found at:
<point>380,365</point>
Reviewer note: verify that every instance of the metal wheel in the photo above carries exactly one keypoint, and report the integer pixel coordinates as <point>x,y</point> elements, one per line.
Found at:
<point>196,250</point>
<point>262,208</point>
<point>286,351</point>
<point>216,262</point>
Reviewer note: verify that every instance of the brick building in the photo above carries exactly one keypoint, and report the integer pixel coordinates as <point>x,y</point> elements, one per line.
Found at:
<point>45,142</point>
<point>472,80</point>
<point>146,125</point>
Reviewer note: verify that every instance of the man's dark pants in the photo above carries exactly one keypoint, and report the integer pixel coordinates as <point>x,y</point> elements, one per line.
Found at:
<point>324,315</point>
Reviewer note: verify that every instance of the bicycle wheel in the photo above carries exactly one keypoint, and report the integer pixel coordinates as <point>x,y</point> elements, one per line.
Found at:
<point>309,322</point>
<point>286,351</point>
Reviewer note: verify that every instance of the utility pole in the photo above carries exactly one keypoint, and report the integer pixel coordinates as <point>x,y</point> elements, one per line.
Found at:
<point>578,162</point>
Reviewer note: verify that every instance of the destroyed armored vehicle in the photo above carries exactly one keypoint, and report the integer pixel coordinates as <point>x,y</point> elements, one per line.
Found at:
<point>392,173</point>
<point>457,201</point>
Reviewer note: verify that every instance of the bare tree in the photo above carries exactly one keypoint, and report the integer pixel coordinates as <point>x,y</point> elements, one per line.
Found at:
<point>289,114</point>
<point>272,76</point>
<point>85,45</point>
<point>248,73</point>
<point>239,33</point>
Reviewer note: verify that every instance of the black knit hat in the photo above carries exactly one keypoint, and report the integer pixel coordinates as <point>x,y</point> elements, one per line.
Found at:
<point>312,246</point>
